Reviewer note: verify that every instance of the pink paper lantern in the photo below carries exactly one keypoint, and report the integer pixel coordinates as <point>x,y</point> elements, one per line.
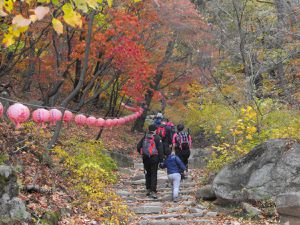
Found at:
<point>80,119</point>
<point>116,122</point>
<point>68,116</point>
<point>122,121</point>
<point>108,123</point>
<point>100,122</point>
<point>91,121</point>
<point>1,110</point>
<point>55,115</point>
<point>18,113</point>
<point>41,116</point>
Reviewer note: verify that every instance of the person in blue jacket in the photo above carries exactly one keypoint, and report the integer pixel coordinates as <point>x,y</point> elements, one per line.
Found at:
<point>174,167</point>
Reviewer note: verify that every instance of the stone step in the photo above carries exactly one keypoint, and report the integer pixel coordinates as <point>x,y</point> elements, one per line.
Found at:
<point>176,222</point>
<point>173,215</point>
<point>167,189</point>
<point>147,209</point>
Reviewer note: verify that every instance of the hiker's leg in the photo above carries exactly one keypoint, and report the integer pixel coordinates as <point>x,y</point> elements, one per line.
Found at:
<point>147,167</point>
<point>170,179</point>
<point>176,184</point>
<point>154,167</point>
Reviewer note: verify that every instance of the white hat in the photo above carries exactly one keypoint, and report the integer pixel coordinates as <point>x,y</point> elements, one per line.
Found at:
<point>159,115</point>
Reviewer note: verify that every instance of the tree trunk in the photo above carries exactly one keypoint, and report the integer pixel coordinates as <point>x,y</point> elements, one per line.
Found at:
<point>139,123</point>
<point>66,101</point>
<point>31,69</point>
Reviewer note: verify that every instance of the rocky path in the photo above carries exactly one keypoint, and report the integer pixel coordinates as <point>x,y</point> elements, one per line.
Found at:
<point>162,211</point>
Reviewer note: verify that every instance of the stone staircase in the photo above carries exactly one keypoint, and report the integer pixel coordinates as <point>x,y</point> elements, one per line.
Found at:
<point>162,211</point>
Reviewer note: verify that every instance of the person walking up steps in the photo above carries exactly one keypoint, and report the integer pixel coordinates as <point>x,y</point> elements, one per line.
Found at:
<point>182,143</point>
<point>162,132</point>
<point>175,168</point>
<point>151,149</point>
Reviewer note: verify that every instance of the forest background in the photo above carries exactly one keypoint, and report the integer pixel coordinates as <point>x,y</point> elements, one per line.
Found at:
<point>229,70</point>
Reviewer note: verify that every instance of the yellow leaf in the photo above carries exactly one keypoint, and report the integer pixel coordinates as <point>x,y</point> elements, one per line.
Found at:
<point>8,5</point>
<point>8,40</point>
<point>70,16</point>
<point>20,21</point>
<point>57,26</point>
<point>110,2</point>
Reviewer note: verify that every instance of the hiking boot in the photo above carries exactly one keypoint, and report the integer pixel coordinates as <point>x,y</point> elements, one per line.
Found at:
<point>176,199</point>
<point>148,193</point>
<point>153,195</point>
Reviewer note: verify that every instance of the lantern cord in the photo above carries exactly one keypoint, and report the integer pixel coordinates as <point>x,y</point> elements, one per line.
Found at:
<point>47,107</point>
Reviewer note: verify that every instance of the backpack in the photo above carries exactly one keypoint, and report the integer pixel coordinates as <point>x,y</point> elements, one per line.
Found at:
<point>149,148</point>
<point>182,140</point>
<point>161,131</point>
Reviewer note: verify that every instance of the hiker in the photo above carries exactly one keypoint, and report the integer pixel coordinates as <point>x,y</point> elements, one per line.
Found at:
<point>181,144</point>
<point>170,131</point>
<point>162,132</point>
<point>175,167</point>
<point>150,147</point>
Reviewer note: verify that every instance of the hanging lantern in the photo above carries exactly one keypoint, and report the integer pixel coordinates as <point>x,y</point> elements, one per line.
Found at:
<point>115,122</point>
<point>108,123</point>
<point>1,110</point>
<point>80,119</point>
<point>18,113</point>
<point>122,121</point>
<point>100,122</point>
<point>68,116</point>
<point>55,115</point>
<point>41,116</point>
<point>91,121</point>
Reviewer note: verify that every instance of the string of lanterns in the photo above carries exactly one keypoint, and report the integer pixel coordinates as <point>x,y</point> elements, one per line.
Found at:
<point>19,113</point>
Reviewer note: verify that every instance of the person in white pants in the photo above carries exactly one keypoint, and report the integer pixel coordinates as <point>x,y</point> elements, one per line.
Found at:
<point>174,167</point>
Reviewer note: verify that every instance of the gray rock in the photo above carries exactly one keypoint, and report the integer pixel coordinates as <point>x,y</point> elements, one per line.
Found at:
<point>138,182</point>
<point>269,169</point>
<point>188,203</point>
<point>289,220</point>
<point>175,209</point>
<point>12,209</point>
<point>251,210</point>
<point>212,214</point>
<point>123,193</point>
<point>288,204</point>
<point>138,177</point>
<point>196,210</point>
<point>147,209</point>
<point>206,193</point>
<point>122,160</point>
<point>18,209</point>
<point>168,222</point>
<point>8,181</point>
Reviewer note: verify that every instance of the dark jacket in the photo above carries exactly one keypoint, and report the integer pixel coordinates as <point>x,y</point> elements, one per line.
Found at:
<point>158,145</point>
<point>173,164</point>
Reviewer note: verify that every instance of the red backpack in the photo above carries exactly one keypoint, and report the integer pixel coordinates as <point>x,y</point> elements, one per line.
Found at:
<point>161,131</point>
<point>149,147</point>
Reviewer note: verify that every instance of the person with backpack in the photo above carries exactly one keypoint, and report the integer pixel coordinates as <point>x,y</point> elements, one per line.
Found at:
<point>175,167</point>
<point>182,143</point>
<point>151,149</point>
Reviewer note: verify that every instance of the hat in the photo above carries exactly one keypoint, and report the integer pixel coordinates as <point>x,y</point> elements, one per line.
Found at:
<point>159,115</point>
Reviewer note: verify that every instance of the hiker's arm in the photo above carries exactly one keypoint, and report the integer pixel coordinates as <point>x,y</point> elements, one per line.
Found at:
<point>174,142</point>
<point>139,145</point>
<point>180,163</point>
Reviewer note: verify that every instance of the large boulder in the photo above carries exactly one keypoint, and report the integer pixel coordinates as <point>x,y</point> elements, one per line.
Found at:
<point>12,209</point>
<point>269,169</point>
